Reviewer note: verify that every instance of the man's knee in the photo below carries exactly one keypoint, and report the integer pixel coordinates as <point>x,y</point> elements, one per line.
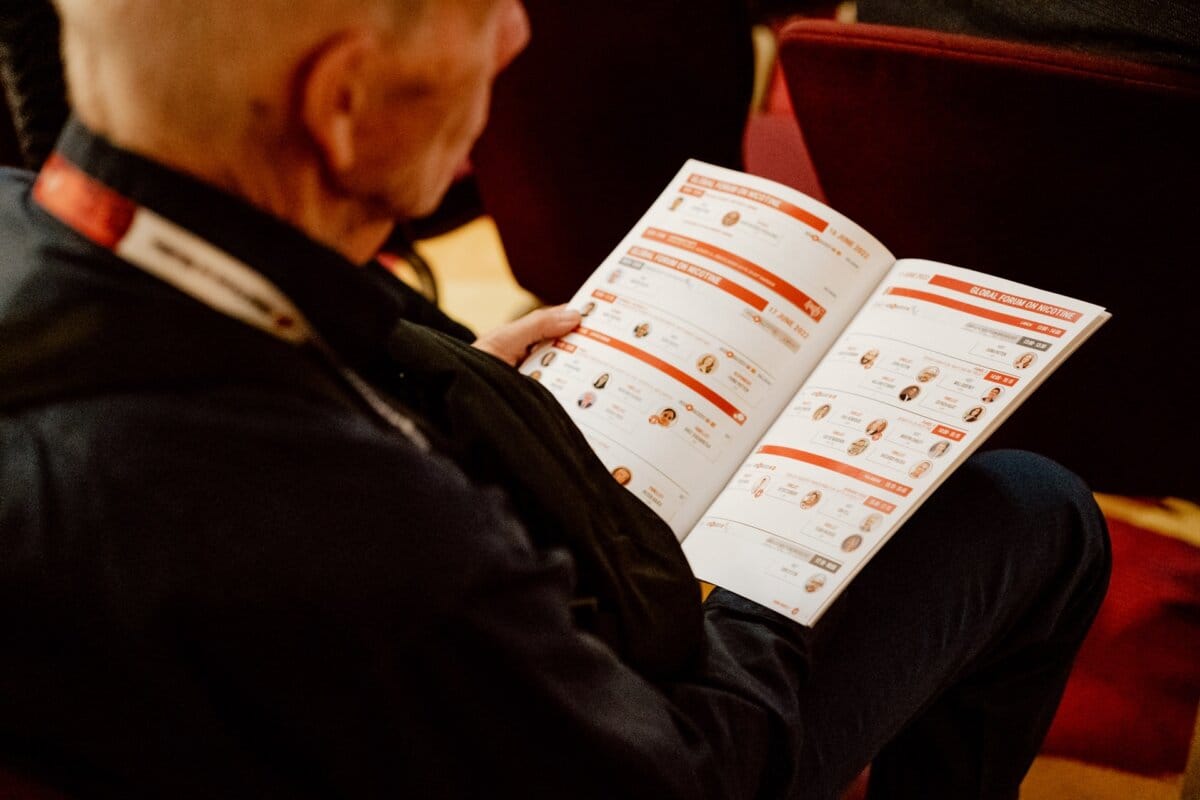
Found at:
<point>1050,510</point>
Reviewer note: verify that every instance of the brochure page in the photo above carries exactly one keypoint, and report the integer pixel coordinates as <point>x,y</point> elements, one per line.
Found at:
<point>699,327</point>
<point>935,360</point>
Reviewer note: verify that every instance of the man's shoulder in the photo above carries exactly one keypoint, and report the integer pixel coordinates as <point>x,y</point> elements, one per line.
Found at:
<point>76,323</point>
<point>234,439</point>
<point>246,483</point>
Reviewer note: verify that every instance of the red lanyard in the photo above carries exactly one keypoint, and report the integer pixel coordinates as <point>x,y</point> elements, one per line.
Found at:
<point>192,265</point>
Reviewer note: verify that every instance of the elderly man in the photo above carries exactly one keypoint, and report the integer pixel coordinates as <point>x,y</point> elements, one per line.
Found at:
<point>271,528</point>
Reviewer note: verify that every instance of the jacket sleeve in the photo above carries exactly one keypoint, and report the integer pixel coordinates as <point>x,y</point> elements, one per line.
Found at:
<point>438,658</point>
<point>295,599</point>
<point>566,718</point>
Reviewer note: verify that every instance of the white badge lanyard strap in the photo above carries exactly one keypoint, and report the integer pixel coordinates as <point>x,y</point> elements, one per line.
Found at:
<point>215,278</point>
<point>196,267</point>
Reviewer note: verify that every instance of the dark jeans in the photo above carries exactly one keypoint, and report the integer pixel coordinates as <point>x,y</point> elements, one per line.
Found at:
<point>944,661</point>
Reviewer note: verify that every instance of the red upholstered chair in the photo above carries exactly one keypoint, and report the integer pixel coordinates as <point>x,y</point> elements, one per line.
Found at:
<point>1068,171</point>
<point>593,119</point>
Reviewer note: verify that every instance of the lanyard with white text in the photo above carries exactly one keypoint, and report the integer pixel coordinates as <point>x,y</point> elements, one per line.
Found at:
<point>192,265</point>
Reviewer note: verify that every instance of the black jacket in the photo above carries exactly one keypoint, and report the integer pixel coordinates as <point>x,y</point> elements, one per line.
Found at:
<point>220,575</point>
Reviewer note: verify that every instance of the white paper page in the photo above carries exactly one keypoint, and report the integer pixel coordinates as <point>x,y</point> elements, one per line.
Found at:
<point>937,358</point>
<point>700,326</point>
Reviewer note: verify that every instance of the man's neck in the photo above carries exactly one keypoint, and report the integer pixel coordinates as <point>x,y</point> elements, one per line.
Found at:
<point>284,183</point>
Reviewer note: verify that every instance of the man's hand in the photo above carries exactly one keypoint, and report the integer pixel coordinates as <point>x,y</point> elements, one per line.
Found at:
<point>512,341</point>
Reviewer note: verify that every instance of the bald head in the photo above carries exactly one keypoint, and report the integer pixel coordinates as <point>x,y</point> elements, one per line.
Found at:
<point>206,69</point>
<point>340,116</point>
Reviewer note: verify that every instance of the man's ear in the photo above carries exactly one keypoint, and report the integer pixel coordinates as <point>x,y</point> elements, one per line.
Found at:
<point>333,95</point>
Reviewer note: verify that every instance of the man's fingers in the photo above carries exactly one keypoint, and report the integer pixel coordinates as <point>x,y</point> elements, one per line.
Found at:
<point>545,323</point>
<point>511,341</point>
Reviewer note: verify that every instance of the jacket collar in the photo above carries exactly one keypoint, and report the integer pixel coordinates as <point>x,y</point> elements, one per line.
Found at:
<point>348,304</point>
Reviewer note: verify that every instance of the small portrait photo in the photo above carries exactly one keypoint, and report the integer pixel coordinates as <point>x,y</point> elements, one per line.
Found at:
<point>991,394</point>
<point>875,428</point>
<point>939,448</point>
<point>601,381</point>
<point>919,469</point>
<point>973,414</point>
<point>851,543</point>
<point>588,308</point>
<point>811,499</point>
<point>547,358</point>
<point>536,374</point>
<point>641,330</point>
<point>1024,360</point>
<point>909,393</point>
<point>858,446</point>
<point>730,219</point>
<point>622,475</point>
<point>586,399</point>
<point>867,359</point>
<point>822,410</point>
<point>706,363</point>
<point>667,417</point>
<point>869,522</point>
<point>814,583</point>
<point>676,203</point>
<point>760,486</point>
<point>927,374</point>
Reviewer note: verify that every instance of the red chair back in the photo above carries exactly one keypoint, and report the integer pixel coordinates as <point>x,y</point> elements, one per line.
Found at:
<point>1071,172</point>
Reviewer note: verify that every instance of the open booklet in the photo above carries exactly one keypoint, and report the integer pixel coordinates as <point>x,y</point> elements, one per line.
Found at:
<point>765,375</point>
